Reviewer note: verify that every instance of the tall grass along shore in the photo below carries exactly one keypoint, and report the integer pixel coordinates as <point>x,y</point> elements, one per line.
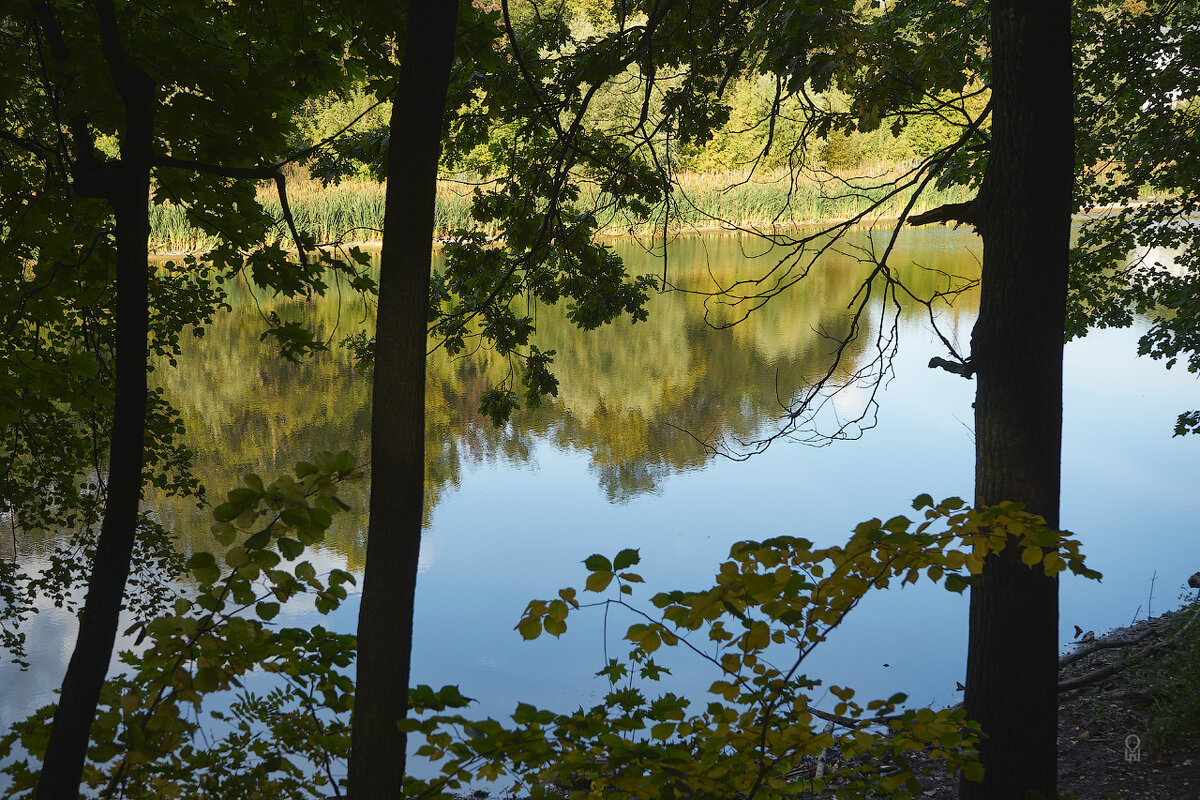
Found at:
<point>352,211</point>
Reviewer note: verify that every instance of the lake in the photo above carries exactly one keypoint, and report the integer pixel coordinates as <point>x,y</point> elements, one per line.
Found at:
<point>615,462</point>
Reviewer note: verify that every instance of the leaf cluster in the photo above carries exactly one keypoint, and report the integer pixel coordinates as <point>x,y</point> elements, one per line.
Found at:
<point>1137,170</point>
<point>759,731</point>
<point>148,739</point>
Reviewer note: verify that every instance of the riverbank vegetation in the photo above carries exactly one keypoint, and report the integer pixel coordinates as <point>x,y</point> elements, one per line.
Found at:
<point>351,211</point>
<point>771,163</point>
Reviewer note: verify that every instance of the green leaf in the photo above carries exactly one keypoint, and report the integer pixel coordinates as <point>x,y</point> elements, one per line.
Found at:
<point>319,519</point>
<point>224,533</point>
<point>204,566</point>
<point>290,548</point>
<point>451,697</point>
<point>295,517</point>
<point>624,559</point>
<point>957,583</point>
<point>326,462</point>
<point>267,611</point>
<point>201,560</point>
<point>259,540</point>
<point>206,680</point>
<point>237,556</point>
<point>597,563</point>
<point>226,512</point>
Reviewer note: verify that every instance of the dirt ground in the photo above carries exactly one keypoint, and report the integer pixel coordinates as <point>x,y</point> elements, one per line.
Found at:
<point>1094,722</point>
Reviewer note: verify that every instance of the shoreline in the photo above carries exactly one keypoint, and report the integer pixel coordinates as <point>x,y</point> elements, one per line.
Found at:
<point>752,229</point>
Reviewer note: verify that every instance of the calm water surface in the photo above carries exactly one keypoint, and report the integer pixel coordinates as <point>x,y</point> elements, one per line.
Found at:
<point>614,463</point>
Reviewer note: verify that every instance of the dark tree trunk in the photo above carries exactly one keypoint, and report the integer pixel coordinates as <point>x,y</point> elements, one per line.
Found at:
<point>1024,217</point>
<point>385,624</point>
<point>128,194</point>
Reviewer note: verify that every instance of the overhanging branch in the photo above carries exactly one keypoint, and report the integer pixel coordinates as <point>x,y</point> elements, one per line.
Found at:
<point>272,173</point>
<point>958,213</point>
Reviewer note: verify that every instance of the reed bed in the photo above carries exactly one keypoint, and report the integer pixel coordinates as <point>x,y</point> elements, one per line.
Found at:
<point>352,211</point>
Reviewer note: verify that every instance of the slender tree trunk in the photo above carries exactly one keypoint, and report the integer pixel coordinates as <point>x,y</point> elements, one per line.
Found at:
<point>385,625</point>
<point>66,751</point>
<point>1024,217</point>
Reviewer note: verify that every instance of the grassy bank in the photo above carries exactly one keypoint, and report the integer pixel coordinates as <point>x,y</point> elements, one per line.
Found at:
<point>353,211</point>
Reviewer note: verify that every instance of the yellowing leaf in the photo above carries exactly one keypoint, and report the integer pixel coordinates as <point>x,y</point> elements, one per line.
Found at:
<point>663,730</point>
<point>757,638</point>
<point>726,689</point>
<point>530,628</point>
<point>598,581</point>
<point>1054,564</point>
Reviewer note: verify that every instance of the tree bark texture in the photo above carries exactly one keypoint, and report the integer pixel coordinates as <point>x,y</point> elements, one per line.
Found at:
<point>385,624</point>
<point>1023,214</point>
<point>127,193</point>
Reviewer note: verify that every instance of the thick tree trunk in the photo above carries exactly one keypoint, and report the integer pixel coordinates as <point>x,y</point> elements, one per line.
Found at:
<point>385,624</point>
<point>1024,216</point>
<point>66,751</point>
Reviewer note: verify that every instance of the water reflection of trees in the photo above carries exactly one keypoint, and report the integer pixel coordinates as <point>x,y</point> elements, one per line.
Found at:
<point>634,397</point>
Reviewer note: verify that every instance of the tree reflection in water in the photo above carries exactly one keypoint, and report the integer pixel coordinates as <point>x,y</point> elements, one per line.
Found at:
<point>644,401</point>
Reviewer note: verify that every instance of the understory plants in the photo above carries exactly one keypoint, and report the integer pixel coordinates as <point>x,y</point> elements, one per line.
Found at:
<point>221,701</point>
